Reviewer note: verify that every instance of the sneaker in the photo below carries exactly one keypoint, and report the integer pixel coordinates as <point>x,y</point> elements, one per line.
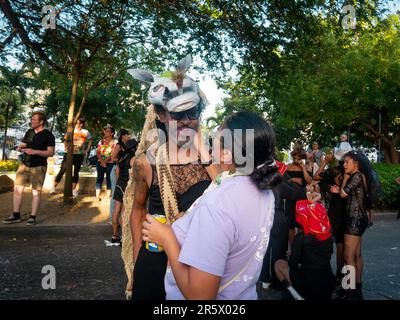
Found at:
<point>31,221</point>
<point>265,285</point>
<point>53,190</point>
<point>116,240</point>
<point>12,219</point>
<point>74,193</point>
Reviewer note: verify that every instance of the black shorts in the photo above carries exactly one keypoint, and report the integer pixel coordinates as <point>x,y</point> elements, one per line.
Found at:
<point>148,275</point>
<point>355,226</point>
<point>120,190</point>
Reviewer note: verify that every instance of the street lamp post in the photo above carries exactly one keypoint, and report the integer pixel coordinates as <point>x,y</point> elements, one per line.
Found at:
<point>379,140</point>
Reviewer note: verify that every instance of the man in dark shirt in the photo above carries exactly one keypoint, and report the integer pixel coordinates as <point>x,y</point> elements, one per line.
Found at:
<point>37,145</point>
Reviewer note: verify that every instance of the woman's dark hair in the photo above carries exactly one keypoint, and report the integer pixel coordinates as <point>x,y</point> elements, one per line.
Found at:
<point>82,120</point>
<point>374,188</point>
<point>122,132</point>
<point>131,146</point>
<point>338,170</point>
<point>299,152</point>
<point>265,174</point>
<point>111,128</point>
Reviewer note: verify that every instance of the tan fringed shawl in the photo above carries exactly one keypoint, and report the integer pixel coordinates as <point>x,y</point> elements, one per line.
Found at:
<point>166,184</point>
<point>167,191</point>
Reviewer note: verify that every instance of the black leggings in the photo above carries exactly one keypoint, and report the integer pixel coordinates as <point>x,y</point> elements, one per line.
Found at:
<point>148,275</point>
<point>77,163</point>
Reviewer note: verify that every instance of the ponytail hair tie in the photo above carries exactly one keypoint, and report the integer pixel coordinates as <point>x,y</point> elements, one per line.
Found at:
<point>269,163</point>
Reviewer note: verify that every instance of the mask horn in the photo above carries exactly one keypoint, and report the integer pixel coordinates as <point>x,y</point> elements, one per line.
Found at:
<point>142,75</point>
<point>184,64</point>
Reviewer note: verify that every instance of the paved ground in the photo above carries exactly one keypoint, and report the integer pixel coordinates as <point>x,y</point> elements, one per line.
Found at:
<point>87,269</point>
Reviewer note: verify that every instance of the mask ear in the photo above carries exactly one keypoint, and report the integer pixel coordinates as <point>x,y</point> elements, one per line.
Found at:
<point>142,75</point>
<point>184,64</point>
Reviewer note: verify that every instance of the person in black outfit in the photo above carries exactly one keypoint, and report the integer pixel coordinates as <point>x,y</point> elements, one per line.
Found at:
<point>336,206</point>
<point>298,173</point>
<point>278,242</point>
<point>125,159</point>
<point>359,182</point>
<point>308,271</point>
<point>37,145</point>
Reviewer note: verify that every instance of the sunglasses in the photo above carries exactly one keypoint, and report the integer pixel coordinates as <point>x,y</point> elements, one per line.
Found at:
<point>191,114</point>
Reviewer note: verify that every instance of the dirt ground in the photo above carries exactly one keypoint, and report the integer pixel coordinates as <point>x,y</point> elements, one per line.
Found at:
<point>85,210</point>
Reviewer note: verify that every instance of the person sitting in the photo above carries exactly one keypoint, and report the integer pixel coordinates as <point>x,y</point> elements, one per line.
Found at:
<point>308,274</point>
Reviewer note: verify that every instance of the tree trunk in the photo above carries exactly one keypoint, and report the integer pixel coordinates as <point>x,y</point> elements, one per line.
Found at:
<point>70,145</point>
<point>388,144</point>
<point>395,155</point>
<point>386,154</point>
<point>390,154</point>
<point>5,133</point>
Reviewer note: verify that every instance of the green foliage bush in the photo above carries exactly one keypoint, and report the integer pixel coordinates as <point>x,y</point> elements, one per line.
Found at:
<point>9,165</point>
<point>391,190</point>
<point>281,156</point>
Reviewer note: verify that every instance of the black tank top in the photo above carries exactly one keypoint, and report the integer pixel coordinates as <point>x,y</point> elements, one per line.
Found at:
<point>124,163</point>
<point>298,174</point>
<point>190,179</point>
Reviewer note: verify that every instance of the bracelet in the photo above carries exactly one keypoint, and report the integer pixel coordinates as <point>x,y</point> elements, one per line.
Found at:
<point>207,164</point>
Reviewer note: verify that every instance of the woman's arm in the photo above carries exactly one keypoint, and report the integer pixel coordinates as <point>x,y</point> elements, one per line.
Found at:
<point>213,169</point>
<point>317,175</point>
<point>139,207</point>
<point>347,185</point>
<point>345,188</point>
<point>89,146</point>
<point>98,153</point>
<point>192,282</point>
<point>115,152</point>
<point>306,175</point>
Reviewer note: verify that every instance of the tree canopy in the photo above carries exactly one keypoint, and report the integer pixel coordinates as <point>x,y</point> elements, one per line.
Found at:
<point>295,62</point>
